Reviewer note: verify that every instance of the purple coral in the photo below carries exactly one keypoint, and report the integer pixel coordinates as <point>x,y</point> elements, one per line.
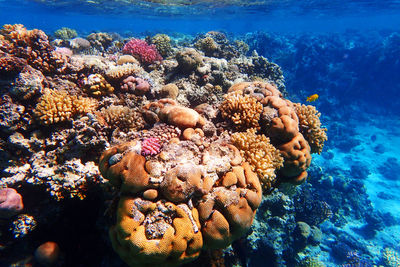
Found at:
<point>10,202</point>
<point>147,54</point>
<point>151,146</point>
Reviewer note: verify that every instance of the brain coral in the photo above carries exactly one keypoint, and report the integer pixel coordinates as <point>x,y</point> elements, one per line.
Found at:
<point>57,106</point>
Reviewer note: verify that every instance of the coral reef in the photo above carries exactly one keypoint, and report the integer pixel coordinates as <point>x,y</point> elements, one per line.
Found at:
<point>182,152</point>
<point>33,46</point>
<point>280,123</point>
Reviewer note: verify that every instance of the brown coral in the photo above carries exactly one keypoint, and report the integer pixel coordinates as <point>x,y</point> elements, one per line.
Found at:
<point>310,127</point>
<point>57,106</point>
<point>120,72</point>
<point>33,46</point>
<point>169,111</point>
<point>263,157</point>
<point>123,117</point>
<point>242,110</point>
<point>228,214</point>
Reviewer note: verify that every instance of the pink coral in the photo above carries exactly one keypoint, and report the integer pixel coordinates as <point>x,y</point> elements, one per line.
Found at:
<point>10,202</point>
<point>151,146</point>
<point>146,53</point>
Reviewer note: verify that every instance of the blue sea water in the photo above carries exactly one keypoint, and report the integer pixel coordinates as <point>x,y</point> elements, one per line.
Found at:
<point>347,52</point>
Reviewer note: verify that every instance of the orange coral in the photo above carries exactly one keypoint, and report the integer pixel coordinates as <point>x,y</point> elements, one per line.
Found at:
<point>310,127</point>
<point>160,232</point>
<point>57,106</point>
<point>125,168</point>
<point>279,120</point>
<point>228,214</point>
<point>215,182</point>
<point>263,157</point>
<point>243,110</point>
<point>169,111</point>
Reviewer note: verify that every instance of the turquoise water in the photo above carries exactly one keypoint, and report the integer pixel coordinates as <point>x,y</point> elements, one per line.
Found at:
<point>346,213</point>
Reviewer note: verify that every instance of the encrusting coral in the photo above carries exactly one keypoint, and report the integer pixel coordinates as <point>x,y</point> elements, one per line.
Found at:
<point>310,127</point>
<point>58,106</point>
<point>263,157</point>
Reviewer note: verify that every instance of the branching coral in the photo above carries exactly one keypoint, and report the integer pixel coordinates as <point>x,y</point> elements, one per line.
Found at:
<point>243,110</point>
<point>310,127</point>
<point>147,54</point>
<point>263,157</point>
<point>57,106</point>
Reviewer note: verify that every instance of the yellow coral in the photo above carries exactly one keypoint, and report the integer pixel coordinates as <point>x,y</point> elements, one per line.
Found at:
<point>391,258</point>
<point>243,110</point>
<point>310,127</point>
<point>263,157</point>
<point>161,233</point>
<point>96,85</point>
<point>57,106</point>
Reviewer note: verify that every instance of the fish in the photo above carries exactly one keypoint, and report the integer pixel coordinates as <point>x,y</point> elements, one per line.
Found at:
<point>312,98</point>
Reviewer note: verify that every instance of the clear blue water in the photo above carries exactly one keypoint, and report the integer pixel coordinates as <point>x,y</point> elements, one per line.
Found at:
<point>245,16</point>
<point>348,52</point>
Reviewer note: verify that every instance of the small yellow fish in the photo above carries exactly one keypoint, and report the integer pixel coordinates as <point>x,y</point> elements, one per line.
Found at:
<point>312,98</point>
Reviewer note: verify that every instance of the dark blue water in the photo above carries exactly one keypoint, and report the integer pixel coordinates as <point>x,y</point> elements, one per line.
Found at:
<point>347,52</point>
